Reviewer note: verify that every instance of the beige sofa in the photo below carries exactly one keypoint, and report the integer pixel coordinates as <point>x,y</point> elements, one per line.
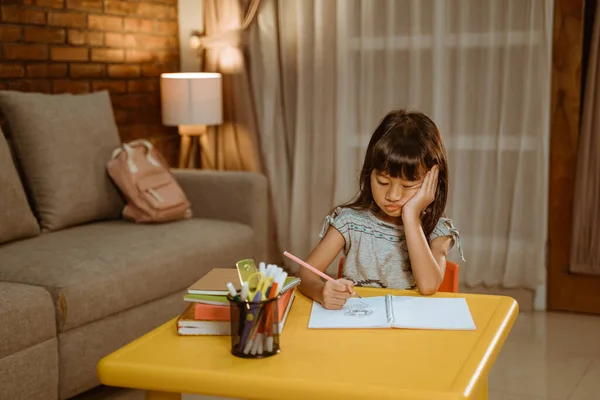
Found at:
<point>76,281</point>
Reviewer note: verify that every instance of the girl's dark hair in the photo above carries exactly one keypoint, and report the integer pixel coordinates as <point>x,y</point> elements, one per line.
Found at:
<point>406,144</point>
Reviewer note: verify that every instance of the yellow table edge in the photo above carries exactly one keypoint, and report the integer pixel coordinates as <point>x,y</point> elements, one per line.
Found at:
<point>486,351</point>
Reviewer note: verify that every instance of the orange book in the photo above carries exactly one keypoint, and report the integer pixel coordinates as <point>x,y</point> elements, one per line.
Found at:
<point>187,325</point>
<point>209,312</point>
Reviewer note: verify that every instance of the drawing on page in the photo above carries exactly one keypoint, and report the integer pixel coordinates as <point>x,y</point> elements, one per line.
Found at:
<point>358,309</point>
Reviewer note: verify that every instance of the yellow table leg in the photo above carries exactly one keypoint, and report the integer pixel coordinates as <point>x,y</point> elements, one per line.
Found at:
<point>151,395</point>
<point>482,391</point>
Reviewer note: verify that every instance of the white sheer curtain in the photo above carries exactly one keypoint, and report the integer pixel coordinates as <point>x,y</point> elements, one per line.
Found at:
<point>325,72</point>
<point>292,62</point>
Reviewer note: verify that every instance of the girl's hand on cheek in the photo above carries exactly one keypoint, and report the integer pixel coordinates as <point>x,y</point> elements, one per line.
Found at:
<point>424,197</point>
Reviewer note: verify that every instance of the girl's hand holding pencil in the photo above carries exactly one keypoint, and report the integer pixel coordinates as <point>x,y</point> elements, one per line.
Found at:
<point>335,292</point>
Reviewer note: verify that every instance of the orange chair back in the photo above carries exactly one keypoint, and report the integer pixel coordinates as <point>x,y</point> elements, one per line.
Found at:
<point>449,283</point>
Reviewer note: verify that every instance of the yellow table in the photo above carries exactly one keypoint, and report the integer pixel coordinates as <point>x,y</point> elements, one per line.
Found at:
<point>333,364</point>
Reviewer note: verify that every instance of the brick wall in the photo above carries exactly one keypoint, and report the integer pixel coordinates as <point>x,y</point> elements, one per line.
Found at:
<point>79,46</point>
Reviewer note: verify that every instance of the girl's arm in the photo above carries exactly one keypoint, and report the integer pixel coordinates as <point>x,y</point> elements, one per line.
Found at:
<point>329,294</point>
<point>428,263</point>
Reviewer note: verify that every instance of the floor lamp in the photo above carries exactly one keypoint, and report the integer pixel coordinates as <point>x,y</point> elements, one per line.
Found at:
<point>192,101</point>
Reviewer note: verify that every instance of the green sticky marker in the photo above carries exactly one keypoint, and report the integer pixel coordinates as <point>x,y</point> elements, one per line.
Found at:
<point>233,292</point>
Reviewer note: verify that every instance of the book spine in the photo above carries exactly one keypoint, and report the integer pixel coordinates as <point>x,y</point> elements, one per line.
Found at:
<point>389,310</point>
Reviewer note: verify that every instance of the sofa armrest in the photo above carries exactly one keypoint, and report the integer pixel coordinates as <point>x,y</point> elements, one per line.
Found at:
<point>229,196</point>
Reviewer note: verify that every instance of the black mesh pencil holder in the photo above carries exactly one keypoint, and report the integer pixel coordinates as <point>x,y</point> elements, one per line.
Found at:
<point>254,328</point>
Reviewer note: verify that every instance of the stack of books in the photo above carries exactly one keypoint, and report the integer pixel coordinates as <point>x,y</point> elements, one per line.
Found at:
<point>208,312</point>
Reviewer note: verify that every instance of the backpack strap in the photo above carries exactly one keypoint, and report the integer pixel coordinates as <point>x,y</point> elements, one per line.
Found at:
<point>128,148</point>
<point>148,147</point>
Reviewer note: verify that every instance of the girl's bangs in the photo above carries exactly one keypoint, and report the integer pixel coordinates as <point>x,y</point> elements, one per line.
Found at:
<point>406,164</point>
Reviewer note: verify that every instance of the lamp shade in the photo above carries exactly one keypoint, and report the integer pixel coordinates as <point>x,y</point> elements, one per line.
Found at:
<point>191,99</point>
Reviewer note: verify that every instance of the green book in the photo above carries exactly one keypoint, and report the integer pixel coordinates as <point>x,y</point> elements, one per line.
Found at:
<point>289,283</point>
<point>217,300</point>
<point>220,300</point>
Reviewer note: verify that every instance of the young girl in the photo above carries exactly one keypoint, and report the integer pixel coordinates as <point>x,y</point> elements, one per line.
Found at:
<point>393,234</point>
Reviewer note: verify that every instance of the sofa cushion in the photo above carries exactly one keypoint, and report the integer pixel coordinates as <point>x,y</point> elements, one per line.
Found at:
<point>17,219</point>
<point>82,349</point>
<point>31,374</point>
<point>26,317</point>
<point>63,143</point>
<point>100,269</point>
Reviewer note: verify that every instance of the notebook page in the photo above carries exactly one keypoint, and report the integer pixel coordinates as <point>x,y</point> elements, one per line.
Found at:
<point>432,313</point>
<point>367,312</point>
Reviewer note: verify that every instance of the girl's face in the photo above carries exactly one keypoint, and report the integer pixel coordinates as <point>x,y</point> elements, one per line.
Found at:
<point>391,194</point>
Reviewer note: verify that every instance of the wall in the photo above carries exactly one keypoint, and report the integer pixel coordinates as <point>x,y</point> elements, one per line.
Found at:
<point>79,46</point>
<point>190,19</point>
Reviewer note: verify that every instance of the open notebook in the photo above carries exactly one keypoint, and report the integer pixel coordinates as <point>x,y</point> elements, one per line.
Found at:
<point>395,312</point>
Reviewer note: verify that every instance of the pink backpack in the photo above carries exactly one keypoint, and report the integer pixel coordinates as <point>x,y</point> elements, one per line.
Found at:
<point>145,180</point>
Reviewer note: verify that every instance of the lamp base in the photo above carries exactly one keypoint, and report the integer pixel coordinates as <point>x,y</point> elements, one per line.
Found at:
<point>192,138</point>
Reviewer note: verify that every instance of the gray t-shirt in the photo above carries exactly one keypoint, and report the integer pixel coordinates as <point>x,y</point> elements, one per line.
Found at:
<point>376,252</point>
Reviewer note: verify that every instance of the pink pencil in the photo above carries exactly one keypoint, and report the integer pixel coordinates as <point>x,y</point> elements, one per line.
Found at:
<point>313,269</point>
